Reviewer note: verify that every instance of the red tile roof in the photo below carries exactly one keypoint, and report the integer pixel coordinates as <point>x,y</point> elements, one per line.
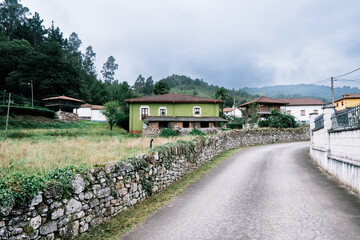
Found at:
<point>263,99</point>
<point>63,98</point>
<point>302,101</point>
<point>228,109</point>
<point>349,96</point>
<point>172,98</point>
<point>97,107</point>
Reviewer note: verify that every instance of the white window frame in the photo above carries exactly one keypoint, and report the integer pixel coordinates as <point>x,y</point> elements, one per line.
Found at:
<point>141,107</point>
<point>162,108</point>
<point>301,113</point>
<point>194,111</point>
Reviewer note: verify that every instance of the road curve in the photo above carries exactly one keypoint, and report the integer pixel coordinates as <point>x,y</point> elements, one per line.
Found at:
<point>264,192</point>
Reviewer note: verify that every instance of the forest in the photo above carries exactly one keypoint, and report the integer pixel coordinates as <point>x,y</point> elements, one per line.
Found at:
<point>55,65</point>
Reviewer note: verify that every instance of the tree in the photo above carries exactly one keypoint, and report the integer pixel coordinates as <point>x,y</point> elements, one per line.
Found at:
<point>139,85</point>
<point>149,85</point>
<point>55,35</point>
<point>109,69</point>
<point>88,61</point>
<point>12,16</point>
<point>73,46</point>
<point>223,94</point>
<point>161,87</point>
<point>111,112</point>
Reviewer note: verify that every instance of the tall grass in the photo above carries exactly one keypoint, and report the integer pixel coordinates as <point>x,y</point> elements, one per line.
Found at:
<point>45,153</point>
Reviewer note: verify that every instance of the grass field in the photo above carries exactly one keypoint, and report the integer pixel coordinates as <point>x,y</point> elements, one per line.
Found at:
<point>87,144</point>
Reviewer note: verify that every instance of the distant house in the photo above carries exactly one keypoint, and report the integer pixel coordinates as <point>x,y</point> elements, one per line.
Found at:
<point>91,112</point>
<point>264,105</point>
<point>232,112</point>
<point>301,108</point>
<point>64,107</point>
<point>171,111</point>
<point>347,101</point>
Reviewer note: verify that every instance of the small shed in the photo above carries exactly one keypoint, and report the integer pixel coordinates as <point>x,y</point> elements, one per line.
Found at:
<point>62,103</point>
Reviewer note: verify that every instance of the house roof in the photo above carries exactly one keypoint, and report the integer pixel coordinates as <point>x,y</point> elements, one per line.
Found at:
<point>172,98</point>
<point>349,96</point>
<point>302,101</point>
<point>228,109</point>
<point>184,119</point>
<point>97,107</point>
<point>62,98</point>
<point>263,99</point>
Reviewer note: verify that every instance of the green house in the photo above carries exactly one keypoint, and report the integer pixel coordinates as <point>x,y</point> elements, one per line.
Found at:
<point>173,110</point>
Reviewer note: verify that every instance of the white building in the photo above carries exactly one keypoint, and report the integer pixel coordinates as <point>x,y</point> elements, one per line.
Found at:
<point>91,112</point>
<point>232,112</point>
<point>301,108</point>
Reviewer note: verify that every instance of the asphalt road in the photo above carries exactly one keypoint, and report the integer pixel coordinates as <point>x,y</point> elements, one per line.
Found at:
<point>264,192</point>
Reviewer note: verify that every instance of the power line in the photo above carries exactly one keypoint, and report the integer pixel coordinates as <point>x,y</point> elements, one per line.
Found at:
<point>348,73</point>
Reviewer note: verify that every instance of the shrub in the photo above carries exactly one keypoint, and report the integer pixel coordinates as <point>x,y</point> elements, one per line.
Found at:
<point>35,111</point>
<point>279,120</point>
<point>167,132</point>
<point>234,122</point>
<point>197,132</point>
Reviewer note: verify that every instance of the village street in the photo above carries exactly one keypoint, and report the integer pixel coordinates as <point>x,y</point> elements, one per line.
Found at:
<point>264,192</point>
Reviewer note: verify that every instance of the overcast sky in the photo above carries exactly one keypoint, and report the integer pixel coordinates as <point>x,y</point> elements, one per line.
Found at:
<point>231,43</point>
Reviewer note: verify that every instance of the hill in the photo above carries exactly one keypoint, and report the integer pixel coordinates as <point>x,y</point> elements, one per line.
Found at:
<point>197,87</point>
<point>302,90</point>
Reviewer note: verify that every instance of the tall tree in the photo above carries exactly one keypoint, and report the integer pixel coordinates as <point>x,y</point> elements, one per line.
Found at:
<point>223,94</point>
<point>109,69</point>
<point>12,16</point>
<point>139,85</point>
<point>111,112</point>
<point>161,87</point>
<point>149,85</point>
<point>73,46</point>
<point>88,61</point>
<point>55,35</point>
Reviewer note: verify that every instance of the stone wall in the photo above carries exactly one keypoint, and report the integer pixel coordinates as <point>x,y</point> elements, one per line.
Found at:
<point>67,116</point>
<point>105,191</point>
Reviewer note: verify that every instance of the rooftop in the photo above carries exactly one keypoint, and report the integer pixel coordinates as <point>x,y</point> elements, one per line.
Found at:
<point>349,96</point>
<point>302,101</point>
<point>62,98</point>
<point>263,99</point>
<point>173,98</point>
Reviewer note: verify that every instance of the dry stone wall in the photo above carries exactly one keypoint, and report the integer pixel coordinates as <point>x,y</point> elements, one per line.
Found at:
<point>105,191</point>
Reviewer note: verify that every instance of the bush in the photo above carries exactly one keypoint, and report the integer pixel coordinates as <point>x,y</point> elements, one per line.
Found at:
<point>235,122</point>
<point>36,111</point>
<point>279,120</point>
<point>123,122</point>
<point>196,132</point>
<point>167,132</point>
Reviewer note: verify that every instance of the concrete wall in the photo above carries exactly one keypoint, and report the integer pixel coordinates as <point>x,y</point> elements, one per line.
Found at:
<point>337,151</point>
<point>106,191</point>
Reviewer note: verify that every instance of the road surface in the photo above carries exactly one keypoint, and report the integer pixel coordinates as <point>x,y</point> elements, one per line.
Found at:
<point>264,192</point>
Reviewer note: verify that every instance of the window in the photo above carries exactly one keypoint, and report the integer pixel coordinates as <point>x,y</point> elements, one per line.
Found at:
<point>186,124</point>
<point>337,104</point>
<point>144,112</point>
<point>288,112</point>
<point>316,111</point>
<point>196,111</point>
<point>163,124</point>
<point>342,103</point>
<point>302,112</point>
<point>162,111</point>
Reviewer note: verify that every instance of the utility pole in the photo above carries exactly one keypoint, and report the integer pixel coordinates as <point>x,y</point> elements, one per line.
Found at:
<point>332,91</point>
<point>32,95</point>
<point>7,117</point>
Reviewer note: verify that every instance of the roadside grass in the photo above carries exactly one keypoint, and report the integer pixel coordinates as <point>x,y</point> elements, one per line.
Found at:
<point>127,220</point>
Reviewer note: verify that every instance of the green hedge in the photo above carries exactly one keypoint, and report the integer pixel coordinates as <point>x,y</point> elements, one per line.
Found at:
<point>36,111</point>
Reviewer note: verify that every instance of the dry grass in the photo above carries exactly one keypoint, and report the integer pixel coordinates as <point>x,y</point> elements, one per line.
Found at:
<point>45,153</point>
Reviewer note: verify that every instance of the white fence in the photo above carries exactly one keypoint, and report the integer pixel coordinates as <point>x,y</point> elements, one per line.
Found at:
<point>336,147</point>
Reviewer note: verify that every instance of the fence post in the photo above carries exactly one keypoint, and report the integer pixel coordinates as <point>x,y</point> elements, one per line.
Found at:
<point>328,112</point>
<point>312,126</point>
<point>7,118</point>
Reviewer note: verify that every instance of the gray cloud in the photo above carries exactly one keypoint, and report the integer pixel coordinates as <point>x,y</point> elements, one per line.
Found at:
<point>231,43</point>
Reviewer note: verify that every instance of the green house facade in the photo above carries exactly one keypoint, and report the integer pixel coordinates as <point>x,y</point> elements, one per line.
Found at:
<point>173,110</point>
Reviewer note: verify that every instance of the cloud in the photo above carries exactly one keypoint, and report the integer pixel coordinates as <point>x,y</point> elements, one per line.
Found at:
<point>231,43</point>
